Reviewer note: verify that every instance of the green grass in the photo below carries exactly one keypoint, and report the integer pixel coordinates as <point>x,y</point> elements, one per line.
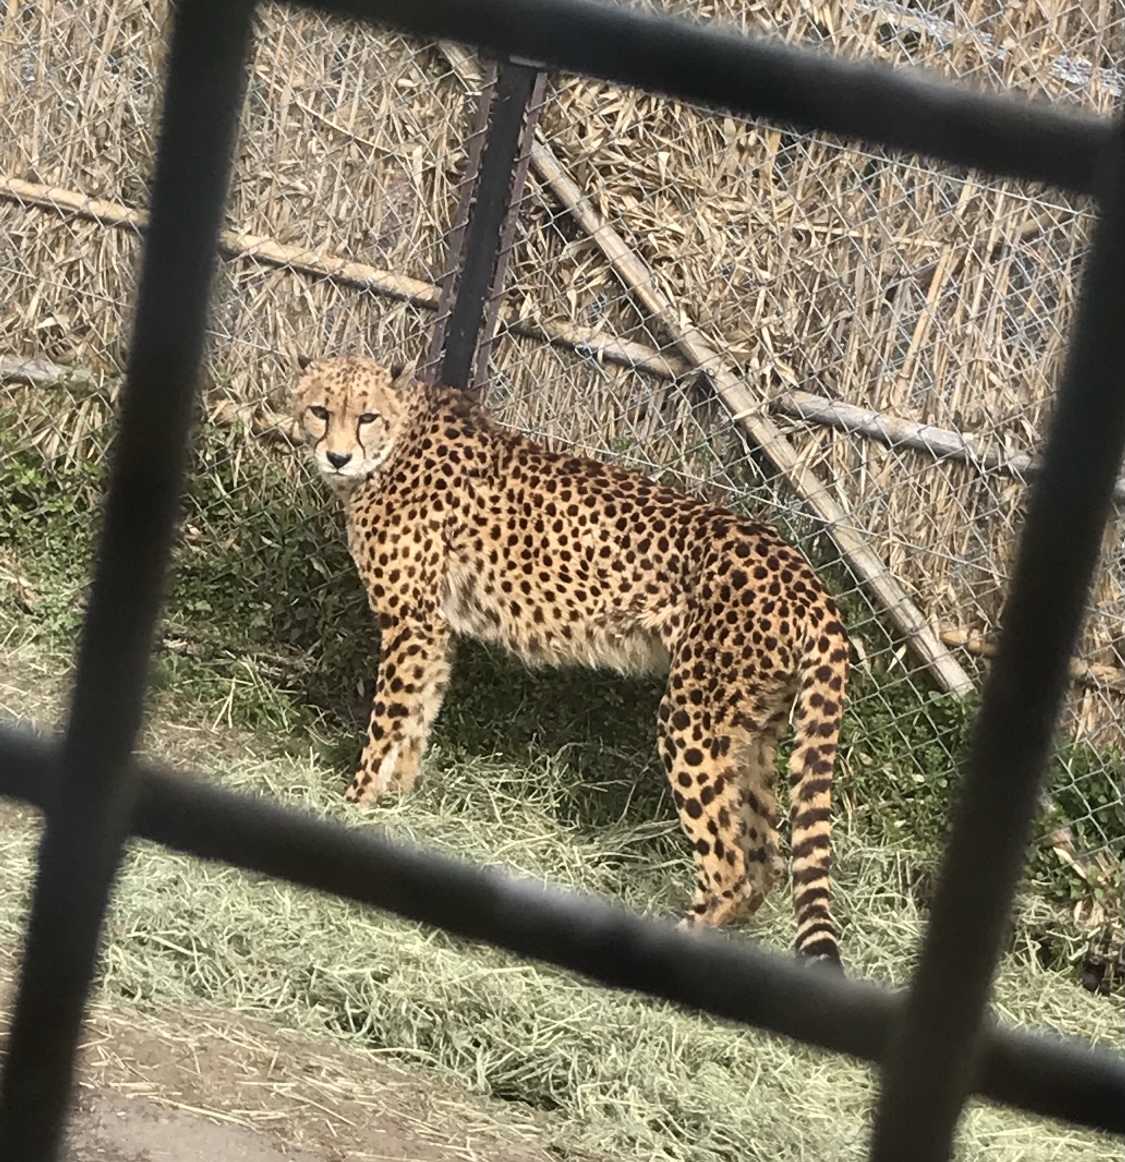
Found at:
<point>551,775</point>
<point>613,1073</point>
<point>269,621</point>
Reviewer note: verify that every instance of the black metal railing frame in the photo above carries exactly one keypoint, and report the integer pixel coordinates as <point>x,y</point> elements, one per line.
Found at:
<point>936,1044</point>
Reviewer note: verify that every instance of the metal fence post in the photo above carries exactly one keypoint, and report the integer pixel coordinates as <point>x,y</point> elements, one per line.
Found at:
<point>482,238</point>
<point>89,818</point>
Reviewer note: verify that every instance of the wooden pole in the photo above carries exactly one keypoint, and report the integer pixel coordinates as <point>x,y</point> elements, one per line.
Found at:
<point>1084,673</point>
<point>942,443</point>
<point>623,352</point>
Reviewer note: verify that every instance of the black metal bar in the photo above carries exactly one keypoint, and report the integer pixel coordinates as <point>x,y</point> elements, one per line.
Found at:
<point>431,369</point>
<point>479,375</point>
<point>735,981</point>
<point>88,816</point>
<point>929,1071</point>
<point>514,86</point>
<point>782,83</point>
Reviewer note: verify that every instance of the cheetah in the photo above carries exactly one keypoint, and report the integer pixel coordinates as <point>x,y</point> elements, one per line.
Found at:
<point>459,526</point>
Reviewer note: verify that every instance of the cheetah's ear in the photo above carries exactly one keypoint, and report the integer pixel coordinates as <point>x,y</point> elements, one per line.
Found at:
<point>304,361</point>
<point>402,370</point>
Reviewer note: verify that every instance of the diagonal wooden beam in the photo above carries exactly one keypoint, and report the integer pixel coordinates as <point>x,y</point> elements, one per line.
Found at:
<point>747,410</point>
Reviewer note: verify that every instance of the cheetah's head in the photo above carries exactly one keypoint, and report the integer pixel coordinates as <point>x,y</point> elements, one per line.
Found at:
<point>351,412</point>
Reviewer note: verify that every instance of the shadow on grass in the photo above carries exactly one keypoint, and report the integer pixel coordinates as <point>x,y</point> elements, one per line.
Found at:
<point>600,725</point>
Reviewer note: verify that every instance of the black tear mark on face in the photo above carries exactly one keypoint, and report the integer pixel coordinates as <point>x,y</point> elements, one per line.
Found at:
<point>304,361</point>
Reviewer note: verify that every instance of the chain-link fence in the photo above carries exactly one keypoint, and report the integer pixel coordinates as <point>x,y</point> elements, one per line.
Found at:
<point>935,1045</point>
<point>857,347</point>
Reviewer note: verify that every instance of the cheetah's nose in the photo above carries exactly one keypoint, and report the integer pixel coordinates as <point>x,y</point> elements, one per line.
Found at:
<point>339,459</point>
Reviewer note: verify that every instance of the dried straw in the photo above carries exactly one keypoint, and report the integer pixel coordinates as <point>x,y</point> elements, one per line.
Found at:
<point>620,1075</point>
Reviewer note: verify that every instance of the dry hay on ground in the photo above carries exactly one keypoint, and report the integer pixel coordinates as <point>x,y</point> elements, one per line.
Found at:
<point>608,1072</point>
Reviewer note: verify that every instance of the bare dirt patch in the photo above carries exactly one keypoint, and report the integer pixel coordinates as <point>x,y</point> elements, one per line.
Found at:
<point>189,1087</point>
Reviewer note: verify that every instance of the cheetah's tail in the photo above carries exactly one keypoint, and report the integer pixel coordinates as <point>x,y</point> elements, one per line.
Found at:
<point>820,704</point>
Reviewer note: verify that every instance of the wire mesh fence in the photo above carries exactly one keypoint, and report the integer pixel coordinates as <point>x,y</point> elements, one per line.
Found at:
<point>855,346</point>
<point>735,446</point>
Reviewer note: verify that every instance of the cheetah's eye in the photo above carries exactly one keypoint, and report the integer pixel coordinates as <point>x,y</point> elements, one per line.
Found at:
<point>319,412</point>
<point>368,418</point>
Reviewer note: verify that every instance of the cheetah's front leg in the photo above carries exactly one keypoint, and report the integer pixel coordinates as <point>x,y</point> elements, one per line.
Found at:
<point>414,668</point>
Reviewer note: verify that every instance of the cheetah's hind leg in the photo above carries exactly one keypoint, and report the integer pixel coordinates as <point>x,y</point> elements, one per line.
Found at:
<point>708,795</point>
<point>759,814</point>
